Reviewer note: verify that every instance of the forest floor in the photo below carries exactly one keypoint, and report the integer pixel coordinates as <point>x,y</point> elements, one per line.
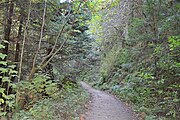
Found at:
<point>103,106</point>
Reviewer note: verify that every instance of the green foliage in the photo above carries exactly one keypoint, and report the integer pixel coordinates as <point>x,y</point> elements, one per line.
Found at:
<point>40,86</point>
<point>2,46</point>
<point>7,97</point>
<point>66,104</point>
<point>174,42</point>
<point>65,25</point>
<point>109,61</point>
<point>145,71</point>
<point>2,56</point>
<point>43,109</point>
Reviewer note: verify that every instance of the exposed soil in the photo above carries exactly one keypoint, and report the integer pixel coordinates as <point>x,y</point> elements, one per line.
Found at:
<point>103,106</point>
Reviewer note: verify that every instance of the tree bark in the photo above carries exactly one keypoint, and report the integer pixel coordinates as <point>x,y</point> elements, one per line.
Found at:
<point>7,28</point>
<point>16,59</point>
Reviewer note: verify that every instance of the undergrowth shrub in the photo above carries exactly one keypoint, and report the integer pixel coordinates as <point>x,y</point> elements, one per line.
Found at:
<point>154,95</point>
<point>65,104</point>
<point>8,87</point>
<point>30,92</point>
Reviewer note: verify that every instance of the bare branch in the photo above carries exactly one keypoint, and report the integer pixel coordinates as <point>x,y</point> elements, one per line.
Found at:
<point>51,55</point>
<point>41,36</point>
<point>58,36</point>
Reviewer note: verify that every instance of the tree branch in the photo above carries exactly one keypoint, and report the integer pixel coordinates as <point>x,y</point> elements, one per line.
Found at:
<point>49,57</point>
<point>41,36</point>
<point>44,63</point>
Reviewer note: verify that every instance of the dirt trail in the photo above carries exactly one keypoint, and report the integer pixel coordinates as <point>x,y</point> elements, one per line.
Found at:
<point>105,107</point>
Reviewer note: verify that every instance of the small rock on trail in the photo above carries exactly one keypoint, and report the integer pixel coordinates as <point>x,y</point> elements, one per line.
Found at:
<point>105,107</point>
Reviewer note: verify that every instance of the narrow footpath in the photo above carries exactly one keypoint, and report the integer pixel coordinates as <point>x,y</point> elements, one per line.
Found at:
<point>103,106</point>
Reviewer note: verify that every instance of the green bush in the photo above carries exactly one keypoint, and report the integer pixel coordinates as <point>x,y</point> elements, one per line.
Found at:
<point>67,103</point>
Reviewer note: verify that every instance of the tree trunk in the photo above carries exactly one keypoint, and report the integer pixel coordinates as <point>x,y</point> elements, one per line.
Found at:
<point>33,71</point>
<point>16,59</point>
<point>9,9</point>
